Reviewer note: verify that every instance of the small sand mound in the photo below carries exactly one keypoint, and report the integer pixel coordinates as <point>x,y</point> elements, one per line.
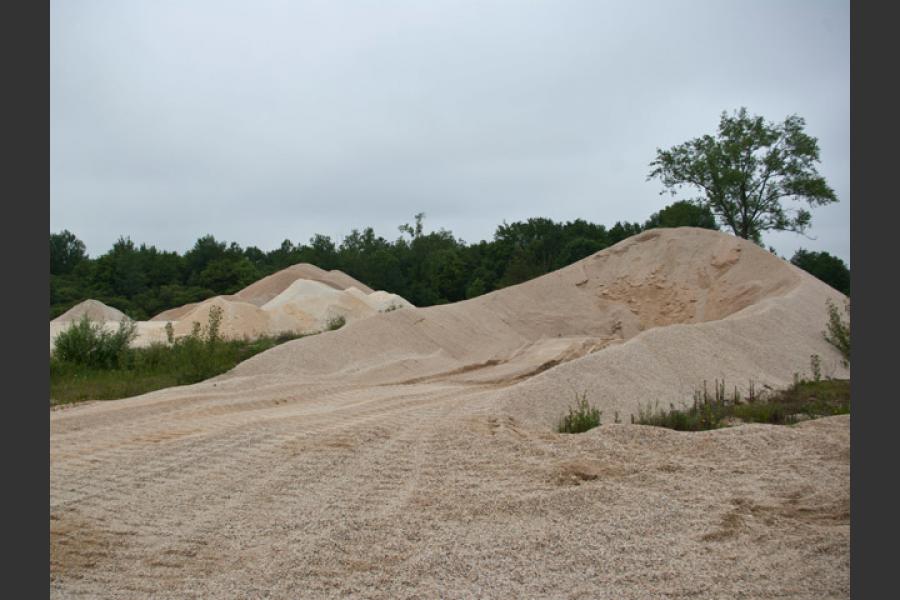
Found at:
<point>239,319</point>
<point>267,288</point>
<point>313,304</point>
<point>94,310</point>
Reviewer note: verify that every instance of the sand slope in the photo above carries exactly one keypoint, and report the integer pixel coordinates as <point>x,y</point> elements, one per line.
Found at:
<point>657,279</point>
<point>411,453</point>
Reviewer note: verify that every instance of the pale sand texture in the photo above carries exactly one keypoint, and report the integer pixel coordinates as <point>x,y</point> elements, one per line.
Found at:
<point>269,287</point>
<point>411,454</point>
<point>299,299</point>
<point>314,300</point>
<point>260,292</point>
<point>177,313</point>
<point>382,301</point>
<point>239,319</point>
<point>93,309</point>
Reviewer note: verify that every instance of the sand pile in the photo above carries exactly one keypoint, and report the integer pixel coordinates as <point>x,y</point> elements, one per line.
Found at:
<point>267,288</point>
<point>300,299</point>
<point>411,453</point>
<point>304,306</point>
<point>93,309</point>
<point>308,305</point>
<point>239,319</point>
<point>650,318</point>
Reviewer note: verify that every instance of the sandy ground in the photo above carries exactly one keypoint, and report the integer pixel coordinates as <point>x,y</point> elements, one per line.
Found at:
<point>412,454</point>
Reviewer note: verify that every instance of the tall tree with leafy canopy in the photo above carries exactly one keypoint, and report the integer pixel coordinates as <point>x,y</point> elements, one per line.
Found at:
<point>827,267</point>
<point>683,214</point>
<point>747,171</point>
<point>66,251</point>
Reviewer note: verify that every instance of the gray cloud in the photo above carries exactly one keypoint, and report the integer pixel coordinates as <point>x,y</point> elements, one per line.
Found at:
<point>269,120</point>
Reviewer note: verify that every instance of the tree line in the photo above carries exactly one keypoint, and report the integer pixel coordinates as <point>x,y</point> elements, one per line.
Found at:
<point>427,268</point>
<point>744,173</point>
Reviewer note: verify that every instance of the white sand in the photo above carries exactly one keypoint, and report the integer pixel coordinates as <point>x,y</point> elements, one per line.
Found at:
<point>320,301</point>
<point>411,453</point>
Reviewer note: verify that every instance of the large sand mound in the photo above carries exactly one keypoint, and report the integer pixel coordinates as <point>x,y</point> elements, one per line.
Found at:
<point>411,453</point>
<point>93,310</point>
<point>657,279</point>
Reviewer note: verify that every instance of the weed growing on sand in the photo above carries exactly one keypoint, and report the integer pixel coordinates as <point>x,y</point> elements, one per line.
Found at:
<point>581,417</point>
<point>837,331</point>
<point>189,359</point>
<point>336,323</point>
<point>804,399</point>
<point>815,366</point>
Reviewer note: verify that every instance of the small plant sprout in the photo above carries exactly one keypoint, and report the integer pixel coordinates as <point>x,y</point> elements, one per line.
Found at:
<point>336,322</point>
<point>581,417</point>
<point>815,365</point>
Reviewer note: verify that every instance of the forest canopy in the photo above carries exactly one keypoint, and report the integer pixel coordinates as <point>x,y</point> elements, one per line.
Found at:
<point>426,267</point>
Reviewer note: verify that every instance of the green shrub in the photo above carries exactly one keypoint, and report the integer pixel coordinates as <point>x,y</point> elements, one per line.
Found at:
<point>90,344</point>
<point>581,417</point>
<point>821,397</point>
<point>336,323</point>
<point>212,327</point>
<point>837,331</point>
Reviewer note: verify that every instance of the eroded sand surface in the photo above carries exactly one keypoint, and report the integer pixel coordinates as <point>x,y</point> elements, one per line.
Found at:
<point>411,454</point>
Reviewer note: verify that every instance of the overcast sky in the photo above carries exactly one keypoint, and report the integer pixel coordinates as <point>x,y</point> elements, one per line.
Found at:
<point>265,120</point>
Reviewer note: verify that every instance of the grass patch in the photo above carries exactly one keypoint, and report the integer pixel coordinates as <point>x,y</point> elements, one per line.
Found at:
<point>803,400</point>
<point>76,376</point>
<point>581,417</point>
<point>336,323</point>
